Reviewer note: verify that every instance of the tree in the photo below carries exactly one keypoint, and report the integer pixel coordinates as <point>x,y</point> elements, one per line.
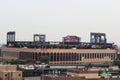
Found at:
<point>106,62</point>
<point>102,73</point>
<point>88,66</point>
<point>30,61</point>
<point>116,62</point>
<point>44,59</point>
<point>18,61</point>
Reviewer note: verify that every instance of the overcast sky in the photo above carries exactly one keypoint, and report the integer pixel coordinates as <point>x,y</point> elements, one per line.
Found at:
<point>58,18</point>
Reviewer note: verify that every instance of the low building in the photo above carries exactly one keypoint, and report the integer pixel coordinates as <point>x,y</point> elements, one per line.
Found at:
<point>73,78</point>
<point>88,74</point>
<point>9,72</point>
<point>95,73</point>
<point>61,78</point>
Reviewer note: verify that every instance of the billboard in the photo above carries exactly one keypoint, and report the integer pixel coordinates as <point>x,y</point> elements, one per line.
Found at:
<point>42,38</point>
<point>37,38</point>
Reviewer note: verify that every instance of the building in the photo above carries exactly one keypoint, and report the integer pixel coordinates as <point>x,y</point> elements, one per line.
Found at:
<point>97,51</point>
<point>61,56</point>
<point>9,72</point>
<point>118,56</point>
<point>95,74</point>
<point>75,78</point>
<point>61,78</point>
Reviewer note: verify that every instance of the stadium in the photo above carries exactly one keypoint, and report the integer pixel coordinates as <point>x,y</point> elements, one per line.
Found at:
<point>69,51</point>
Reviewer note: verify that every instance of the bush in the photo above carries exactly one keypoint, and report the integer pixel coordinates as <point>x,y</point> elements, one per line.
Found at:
<point>44,59</point>
<point>17,61</point>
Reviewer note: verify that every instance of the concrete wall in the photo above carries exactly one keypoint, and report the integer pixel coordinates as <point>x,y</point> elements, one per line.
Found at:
<point>8,55</point>
<point>10,72</point>
<point>9,75</point>
<point>8,67</point>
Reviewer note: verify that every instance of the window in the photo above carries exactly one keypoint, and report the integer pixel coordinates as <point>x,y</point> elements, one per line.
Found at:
<point>61,56</point>
<point>85,55</point>
<point>54,56</point>
<point>67,56</point>
<point>91,55</point>
<point>19,75</point>
<point>80,56</point>
<point>51,57</point>
<point>57,56</point>
<point>5,75</point>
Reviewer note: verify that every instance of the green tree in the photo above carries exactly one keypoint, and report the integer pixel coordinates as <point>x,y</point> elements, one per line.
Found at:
<point>102,73</point>
<point>88,66</point>
<point>30,60</point>
<point>106,62</point>
<point>44,59</point>
<point>116,62</point>
<point>18,61</point>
